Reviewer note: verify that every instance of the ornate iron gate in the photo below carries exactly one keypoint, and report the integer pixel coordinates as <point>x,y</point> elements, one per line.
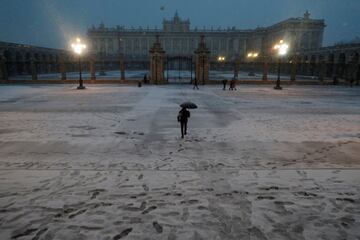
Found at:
<point>179,69</point>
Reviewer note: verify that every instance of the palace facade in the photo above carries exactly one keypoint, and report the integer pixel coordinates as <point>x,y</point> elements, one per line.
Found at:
<point>179,39</point>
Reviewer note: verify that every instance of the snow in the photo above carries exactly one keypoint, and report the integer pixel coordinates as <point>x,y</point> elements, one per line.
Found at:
<point>108,161</point>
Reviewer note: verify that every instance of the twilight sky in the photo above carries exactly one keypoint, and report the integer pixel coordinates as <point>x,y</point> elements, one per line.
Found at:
<point>53,23</point>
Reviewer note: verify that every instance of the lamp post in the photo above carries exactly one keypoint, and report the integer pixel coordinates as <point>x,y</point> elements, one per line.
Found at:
<point>221,60</point>
<point>282,49</point>
<point>252,56</point>
<point>156,70</point>
<point>203,69</point>
<point>78,49</point>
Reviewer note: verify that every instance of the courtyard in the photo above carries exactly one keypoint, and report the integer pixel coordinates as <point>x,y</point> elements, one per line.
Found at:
<point>109,163</point>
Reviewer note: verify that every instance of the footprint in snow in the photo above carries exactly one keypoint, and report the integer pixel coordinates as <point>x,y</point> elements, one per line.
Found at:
<point>122,234</point>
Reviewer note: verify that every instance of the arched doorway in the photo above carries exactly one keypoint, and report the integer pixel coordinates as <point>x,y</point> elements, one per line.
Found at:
<point>179,69</point>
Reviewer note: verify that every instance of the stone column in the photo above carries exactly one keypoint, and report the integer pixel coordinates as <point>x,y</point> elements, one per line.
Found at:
<point>202,62</point>
<point>3,70</point>
<point>322,70</point>
<point>48,65</point>
<point>92,70</point>
<point>357,77</point>
<point>265,69</point>
<point>335,74</point>
<point>62,67</point>
<point>293,70</point>
<point>157,55</point>
<point>306,68</point>
<point>352,72</point>
<point>122,67</point>
<point>33,69</point>
<point>102,68</point>
<point>236,67</point>
<point>328,67</point>
<point>122,56</point>
<point>101,57</point>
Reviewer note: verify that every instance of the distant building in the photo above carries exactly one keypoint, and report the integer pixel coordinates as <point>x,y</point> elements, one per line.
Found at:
<point>337,61</point>
<point>179,39</point>
<point>18,58</point>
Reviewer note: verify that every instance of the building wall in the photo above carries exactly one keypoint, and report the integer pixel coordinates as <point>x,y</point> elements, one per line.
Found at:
<point>342,61</point>
<point>18,58</point>
<point>178,39</point>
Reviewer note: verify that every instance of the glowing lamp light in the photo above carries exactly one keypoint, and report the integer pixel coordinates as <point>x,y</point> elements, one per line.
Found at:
<point>78,47</point>
<point>282,48</point>
<point>253,55</point>
<point>221,58</point>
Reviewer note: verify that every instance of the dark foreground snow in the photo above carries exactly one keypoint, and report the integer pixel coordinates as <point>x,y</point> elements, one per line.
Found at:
<point>109,163</point>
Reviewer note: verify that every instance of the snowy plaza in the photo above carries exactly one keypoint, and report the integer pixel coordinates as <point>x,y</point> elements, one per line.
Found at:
<point>108,162</point>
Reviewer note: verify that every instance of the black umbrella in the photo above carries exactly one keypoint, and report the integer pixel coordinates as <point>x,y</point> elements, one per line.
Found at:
<point>188,105</point>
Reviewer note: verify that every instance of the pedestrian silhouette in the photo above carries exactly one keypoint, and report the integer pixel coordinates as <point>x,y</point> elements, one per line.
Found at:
<point>232,85</point>
<point>224,84</point>
<point>145,78</point>
<point>195,84</point>
<point>183,117</point>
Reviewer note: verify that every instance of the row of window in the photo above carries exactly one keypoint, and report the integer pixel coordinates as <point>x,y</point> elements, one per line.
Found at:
<point>170,45</point>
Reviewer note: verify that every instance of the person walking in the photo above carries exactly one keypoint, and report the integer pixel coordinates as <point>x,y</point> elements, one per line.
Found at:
<point>145,78</point>
<point>183,117</point>
<point>195,84</point>
<point>224,82</point>
<point>231,86</point>
<point>233,83</point>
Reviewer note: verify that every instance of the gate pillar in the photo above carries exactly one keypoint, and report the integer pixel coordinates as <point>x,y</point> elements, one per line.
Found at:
<point>321,70</point>
<point>122,67</point>
<point>33,64</point>
<point>293,68</point>
<point>265,68</point>
<point>202,65</point>
<point>92,69</point>
<point>157,55</point>
<point>236,67</point>
<point>62,67</point>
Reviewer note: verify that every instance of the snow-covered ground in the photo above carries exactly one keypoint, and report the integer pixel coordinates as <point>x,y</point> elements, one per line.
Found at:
<point>108,163</point>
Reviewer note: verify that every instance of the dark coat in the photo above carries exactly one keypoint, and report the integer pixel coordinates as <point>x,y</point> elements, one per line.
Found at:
<point>183,115</point>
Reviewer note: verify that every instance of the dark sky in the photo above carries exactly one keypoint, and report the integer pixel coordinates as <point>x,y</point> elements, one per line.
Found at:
<point>52,23</point>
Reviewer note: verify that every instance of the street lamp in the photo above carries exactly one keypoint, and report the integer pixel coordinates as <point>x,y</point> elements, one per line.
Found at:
<point>220,60</point>
<point>203,69</point>
<point>282,49</point>
<point>252,56</point>
<point>78,48</point>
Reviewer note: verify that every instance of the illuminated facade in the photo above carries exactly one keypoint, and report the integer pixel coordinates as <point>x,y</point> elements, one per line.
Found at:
<point>179,39</point>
